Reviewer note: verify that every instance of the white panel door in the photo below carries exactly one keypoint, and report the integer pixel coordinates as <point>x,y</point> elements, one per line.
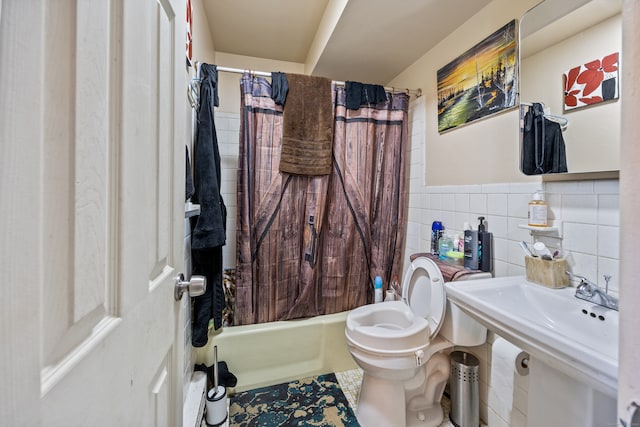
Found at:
<point>92,128</point>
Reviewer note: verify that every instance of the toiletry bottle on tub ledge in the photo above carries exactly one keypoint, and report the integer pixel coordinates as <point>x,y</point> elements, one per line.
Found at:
<point>485,245</point>
<point>377,287</point>
<point>471,249</point>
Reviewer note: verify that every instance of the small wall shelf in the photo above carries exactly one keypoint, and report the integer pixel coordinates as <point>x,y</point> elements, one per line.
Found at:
<point>554,230</point>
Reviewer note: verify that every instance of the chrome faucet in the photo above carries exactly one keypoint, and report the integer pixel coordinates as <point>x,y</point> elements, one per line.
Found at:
<point>593,293</point>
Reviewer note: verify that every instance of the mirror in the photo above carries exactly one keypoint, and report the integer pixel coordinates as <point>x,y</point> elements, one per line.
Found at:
<point>557,36</point>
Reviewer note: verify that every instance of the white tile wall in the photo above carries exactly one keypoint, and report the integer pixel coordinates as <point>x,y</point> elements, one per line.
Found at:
<point>588,212</point>
<point>228,131</point>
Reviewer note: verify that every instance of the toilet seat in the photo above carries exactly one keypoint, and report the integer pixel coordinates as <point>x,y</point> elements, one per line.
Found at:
<point>387,327</point>
<point>423,289</point>
<point>402,326</point>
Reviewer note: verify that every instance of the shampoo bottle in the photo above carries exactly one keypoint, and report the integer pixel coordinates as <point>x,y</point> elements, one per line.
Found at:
<point>471,249</point>
<point>484,246</point>
<point>538,210</point>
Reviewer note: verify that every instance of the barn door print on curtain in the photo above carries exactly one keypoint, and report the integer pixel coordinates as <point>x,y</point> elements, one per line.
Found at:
<point>312,245</point>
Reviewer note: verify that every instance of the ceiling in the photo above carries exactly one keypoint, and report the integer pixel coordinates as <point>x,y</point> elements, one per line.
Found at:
<point>370,41</point>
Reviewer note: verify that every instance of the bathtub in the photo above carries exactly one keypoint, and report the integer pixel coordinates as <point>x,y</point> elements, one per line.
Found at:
<point>276,352</point>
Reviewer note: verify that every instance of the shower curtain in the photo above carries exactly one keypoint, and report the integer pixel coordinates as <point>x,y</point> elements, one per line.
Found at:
<point>308,246</point>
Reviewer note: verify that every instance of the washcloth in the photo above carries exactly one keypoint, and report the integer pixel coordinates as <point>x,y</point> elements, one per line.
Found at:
<point>279,87</point>
<point>357,94</point>
<point>307,126</point>
<point>449,272</point>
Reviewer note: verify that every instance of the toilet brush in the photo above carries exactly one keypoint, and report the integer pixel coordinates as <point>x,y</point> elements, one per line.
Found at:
<point>216,397</point>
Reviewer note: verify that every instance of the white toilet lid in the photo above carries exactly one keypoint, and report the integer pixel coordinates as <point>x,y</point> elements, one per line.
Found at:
<point>423,289</point>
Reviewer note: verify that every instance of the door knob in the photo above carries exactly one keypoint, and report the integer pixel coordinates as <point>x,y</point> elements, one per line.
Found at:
<point>195,287</point>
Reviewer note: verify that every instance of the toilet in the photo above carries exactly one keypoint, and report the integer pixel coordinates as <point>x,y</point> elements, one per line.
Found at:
<point>400,347</point>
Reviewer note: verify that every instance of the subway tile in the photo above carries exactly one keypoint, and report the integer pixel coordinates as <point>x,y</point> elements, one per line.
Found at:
<point>413,215</point>
<point>448,202</point>
<point>497,204</point>
<point>583,264</point>
<point>432,215</point>
<point>580,237</point>
<point>461,202</point>
<point>554,206</point>
<point>460,219</point>
<point>435,201</point>
<point>500,268</point>
<point>514,254</point>
<point>414,233</point>
<point>525,187</point>
<point>416,172</point>
<point>449,219</point>
<point>478,204</point>
<point>518,205</point>
<point>413,201</point>
<point>515,270</point>
<point>500,249</point>
<point>580,208</point>
<point>609,241</point>
<point>415,184</point>
<point>498,225</point>
<point>607,186</point>
<point>515,232</point>
<point>609,209</point>
<point>425,232</point>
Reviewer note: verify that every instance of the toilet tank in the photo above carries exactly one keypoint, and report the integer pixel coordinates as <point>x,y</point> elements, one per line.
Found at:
<point>458,327</point>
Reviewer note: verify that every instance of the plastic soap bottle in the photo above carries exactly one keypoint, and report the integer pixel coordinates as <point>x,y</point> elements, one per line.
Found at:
<point>445,244</point>
<point>377,287</point>
<point>538,210</point>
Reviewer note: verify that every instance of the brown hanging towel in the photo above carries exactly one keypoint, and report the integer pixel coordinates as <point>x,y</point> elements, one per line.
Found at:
<point>307,126</point>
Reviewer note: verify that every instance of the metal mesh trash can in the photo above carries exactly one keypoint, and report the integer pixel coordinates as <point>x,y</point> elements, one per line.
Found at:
<point>463,387</point>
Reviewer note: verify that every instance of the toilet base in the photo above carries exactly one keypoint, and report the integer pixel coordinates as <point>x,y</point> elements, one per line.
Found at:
<point>412,403</point>
<point>380,401</point>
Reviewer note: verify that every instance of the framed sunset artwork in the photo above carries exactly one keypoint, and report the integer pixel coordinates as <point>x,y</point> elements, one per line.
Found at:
<point>592,83</point>
<point>480,82</point>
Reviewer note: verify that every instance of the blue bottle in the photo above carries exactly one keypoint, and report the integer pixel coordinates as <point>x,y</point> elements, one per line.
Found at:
<point>436,232</point>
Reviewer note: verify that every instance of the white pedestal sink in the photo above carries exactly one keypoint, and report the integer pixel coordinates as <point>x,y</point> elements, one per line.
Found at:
<point>573,346</point>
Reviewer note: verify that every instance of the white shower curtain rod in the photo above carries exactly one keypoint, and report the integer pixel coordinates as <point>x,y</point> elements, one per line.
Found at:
<point>416,92</point>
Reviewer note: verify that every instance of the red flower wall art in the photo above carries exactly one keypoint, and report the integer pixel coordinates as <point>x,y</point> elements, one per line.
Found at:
<point>591,83</point>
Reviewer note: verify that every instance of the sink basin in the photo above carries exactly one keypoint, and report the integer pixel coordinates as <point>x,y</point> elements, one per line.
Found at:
<point>569,334</point>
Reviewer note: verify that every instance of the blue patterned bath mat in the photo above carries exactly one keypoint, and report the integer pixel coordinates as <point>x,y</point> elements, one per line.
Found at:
<point>314,401</point>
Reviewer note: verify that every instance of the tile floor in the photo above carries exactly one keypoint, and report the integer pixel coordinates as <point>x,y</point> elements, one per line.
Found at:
<point>350,384</point>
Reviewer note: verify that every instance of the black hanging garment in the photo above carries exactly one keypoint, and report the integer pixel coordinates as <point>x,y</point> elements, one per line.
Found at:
<point>209,228</point>
<point>543,149</point>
